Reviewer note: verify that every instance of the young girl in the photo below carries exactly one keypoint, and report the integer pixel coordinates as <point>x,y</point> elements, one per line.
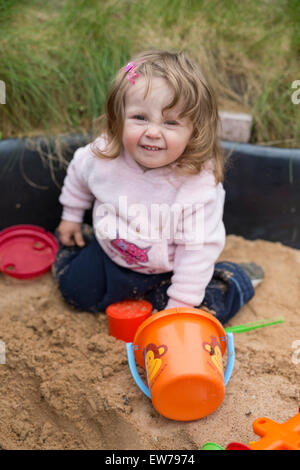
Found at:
<point>155,178</point>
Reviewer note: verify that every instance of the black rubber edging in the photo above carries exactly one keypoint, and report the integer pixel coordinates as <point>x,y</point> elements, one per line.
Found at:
<point>262,188</point>
<point>263,193</point>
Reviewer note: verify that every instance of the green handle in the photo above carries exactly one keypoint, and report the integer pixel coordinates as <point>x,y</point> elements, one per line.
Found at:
<point>251,326</point>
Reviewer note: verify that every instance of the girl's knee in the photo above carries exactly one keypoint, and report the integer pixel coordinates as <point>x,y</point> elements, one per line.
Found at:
<point>76,299</point>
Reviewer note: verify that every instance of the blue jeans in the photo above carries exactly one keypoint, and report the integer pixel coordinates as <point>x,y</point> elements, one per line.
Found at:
<point>90,281</point>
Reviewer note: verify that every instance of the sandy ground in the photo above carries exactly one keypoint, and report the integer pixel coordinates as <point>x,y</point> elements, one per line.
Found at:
<point>66,383</point>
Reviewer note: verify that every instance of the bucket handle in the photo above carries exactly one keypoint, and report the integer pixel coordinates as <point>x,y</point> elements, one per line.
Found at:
<point>134,371</point>
<point>145,389</point>
<point>230,358</point>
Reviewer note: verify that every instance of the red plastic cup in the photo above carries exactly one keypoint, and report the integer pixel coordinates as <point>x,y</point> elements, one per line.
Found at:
<point>125,317</point>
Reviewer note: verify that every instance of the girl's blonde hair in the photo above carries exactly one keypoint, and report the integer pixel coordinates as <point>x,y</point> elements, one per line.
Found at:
<point>198,101</point>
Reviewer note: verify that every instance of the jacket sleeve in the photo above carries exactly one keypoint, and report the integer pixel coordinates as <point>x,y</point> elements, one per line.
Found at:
<point>76,196</point>
<point>200,238</point>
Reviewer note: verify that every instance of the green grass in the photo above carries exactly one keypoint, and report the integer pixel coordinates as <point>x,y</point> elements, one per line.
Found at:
<point>58,58</point>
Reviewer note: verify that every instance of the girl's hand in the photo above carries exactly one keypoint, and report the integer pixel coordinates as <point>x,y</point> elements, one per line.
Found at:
<point>70,233</point>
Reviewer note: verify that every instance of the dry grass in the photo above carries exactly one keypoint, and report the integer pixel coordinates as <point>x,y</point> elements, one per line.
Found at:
<point>57,59</point>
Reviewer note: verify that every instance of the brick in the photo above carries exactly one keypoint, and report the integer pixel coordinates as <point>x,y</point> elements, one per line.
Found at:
<point>235,126</point>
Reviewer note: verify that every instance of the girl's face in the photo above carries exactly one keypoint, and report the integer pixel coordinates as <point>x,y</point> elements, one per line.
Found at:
<point>152,138</point>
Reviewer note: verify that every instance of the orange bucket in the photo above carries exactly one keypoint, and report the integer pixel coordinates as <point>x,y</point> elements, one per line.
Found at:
<point>181,350</point>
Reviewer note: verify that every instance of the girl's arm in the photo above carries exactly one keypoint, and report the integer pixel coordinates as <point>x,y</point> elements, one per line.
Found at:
<point>76,196</point>
<point>196,253</point>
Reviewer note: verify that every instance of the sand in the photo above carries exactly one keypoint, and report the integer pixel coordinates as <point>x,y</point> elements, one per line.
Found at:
<point>66,382</point>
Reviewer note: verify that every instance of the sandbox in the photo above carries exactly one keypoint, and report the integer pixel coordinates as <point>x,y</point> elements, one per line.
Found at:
<point>65,383</point>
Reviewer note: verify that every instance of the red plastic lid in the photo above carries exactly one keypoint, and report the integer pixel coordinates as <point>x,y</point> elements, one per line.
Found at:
<point>127,309</point>
<point>26,251</point>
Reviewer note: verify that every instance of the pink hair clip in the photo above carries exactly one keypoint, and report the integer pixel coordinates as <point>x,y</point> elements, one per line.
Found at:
<point>131,73</point>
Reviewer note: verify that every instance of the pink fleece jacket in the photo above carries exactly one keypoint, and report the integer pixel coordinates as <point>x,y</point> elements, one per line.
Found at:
<point>150,221</point>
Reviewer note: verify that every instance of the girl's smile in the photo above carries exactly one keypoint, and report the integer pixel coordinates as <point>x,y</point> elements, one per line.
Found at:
<point>152,149</point>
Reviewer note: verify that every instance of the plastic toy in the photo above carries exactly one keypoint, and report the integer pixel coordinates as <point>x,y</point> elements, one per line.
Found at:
<point>252,326</point>
<point>274,436</point>
<point>277,436</point>
<point>26,251</point>
<point>181,350</point>
<point>212,446</point>
<point>126,316</point>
